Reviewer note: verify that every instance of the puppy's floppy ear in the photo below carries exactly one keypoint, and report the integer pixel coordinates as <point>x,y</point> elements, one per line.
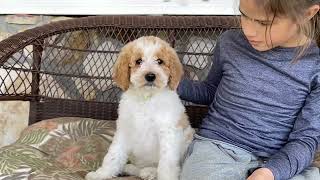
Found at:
<point>121,74</point>
<point>176,68</point>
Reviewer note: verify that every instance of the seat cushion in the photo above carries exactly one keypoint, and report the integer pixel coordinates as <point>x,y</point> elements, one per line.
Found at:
<point>60,148</point>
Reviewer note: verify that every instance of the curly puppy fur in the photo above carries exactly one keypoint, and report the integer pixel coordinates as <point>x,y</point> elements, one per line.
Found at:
<point>153,131</point>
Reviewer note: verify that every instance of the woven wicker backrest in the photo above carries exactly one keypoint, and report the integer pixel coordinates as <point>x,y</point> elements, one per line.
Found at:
<point>64,68</point>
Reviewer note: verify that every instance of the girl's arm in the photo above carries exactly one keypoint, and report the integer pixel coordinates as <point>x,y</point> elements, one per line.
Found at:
<point>203,92</point>
<point>303,141</point>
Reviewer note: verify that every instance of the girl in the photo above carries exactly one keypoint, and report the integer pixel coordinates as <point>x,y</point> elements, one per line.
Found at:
<point>263,93</point>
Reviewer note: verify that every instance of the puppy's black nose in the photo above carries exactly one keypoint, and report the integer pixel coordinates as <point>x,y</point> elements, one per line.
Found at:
<point>150,77</point>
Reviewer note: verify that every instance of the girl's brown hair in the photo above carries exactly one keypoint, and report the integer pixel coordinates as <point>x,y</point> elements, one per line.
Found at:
<point>295,9</point>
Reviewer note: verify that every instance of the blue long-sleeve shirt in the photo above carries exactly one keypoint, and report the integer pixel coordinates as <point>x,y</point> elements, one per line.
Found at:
<point>262,102</point>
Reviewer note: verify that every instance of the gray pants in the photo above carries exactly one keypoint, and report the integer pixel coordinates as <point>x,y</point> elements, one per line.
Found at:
<point>215,160</point>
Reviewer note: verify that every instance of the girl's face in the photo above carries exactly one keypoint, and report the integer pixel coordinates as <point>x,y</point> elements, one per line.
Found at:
<point>262,33</point>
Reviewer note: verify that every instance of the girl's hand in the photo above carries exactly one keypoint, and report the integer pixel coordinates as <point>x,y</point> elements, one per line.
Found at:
<point>261,174</point>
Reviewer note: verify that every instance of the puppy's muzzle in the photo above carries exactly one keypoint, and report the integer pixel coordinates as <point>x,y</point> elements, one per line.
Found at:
<point>150,77</point>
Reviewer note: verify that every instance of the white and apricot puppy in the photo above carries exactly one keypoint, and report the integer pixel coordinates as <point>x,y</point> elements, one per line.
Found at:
<point>153,131</point>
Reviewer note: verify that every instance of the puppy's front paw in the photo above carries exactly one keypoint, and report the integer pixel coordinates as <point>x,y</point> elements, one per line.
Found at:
<point>96,175</point>
<point>148,173</point>
<point>93,176</point>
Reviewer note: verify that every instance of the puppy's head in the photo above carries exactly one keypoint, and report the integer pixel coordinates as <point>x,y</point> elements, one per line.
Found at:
<point>147,62</point>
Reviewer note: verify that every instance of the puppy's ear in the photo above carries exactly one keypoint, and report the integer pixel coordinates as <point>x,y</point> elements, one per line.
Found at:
<point>121,74</point>
<point>176,69</point>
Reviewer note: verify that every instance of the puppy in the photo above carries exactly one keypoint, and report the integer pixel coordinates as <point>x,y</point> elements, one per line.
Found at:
<point>153,131</point>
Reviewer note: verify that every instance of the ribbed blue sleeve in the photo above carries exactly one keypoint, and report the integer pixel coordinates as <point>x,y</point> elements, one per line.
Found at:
<point>303,141</point>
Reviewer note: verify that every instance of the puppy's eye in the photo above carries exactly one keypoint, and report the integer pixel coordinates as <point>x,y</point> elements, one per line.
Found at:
<point>159,61</point>
<point>139,62</point>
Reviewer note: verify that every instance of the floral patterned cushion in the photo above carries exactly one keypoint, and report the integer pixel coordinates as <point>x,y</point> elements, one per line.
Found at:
<point>61,148</point>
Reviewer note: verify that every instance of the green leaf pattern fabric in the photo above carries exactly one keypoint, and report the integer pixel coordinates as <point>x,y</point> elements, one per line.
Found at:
<point>61,149</point>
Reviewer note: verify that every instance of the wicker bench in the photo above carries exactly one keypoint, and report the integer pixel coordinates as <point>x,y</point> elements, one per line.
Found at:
<point>64,70</point>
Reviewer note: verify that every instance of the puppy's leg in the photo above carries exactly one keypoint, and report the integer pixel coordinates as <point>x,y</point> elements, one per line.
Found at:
<point>114,161</point>
<point>148,173</point>
<point>188,138</point>
<point>170,149</point>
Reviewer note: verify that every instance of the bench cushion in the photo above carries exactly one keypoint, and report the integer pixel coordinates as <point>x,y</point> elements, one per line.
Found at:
<point>61,148</point>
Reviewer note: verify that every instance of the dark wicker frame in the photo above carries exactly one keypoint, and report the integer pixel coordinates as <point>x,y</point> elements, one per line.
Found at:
<point>124,28</point>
